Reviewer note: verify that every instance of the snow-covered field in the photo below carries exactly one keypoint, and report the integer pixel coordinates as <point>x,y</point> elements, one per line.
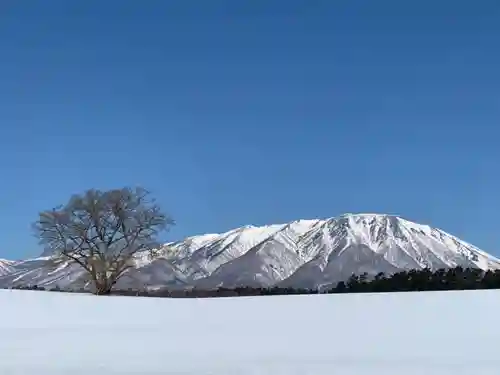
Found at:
<point>47,333</point>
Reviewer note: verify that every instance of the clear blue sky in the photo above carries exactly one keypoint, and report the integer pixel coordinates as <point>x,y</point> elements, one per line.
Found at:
<point>253,112</point>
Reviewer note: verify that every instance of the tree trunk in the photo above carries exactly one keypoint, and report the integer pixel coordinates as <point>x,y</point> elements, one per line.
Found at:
<point>103,287</point>
<point>103,292</point>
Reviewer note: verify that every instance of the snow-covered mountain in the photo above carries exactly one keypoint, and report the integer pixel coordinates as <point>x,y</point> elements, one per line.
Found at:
<point>6,266</point>
<point>303,253</point>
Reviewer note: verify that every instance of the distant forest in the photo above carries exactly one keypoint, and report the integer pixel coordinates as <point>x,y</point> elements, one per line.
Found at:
<point>406,281</point>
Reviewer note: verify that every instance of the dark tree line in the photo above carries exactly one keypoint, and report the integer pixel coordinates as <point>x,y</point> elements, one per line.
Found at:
<point>406,281</point>
<point>422,280</point>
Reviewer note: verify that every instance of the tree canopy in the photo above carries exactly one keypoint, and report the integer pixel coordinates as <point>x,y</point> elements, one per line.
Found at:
<point>103,231</point>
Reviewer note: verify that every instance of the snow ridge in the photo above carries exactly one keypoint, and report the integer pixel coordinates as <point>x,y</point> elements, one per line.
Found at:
<point>303,253</point>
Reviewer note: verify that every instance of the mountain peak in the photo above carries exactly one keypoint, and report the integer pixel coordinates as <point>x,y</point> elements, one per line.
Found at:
<point>367,214</point>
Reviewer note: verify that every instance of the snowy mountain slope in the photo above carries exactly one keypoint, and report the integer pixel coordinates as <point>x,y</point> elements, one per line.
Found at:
<point>303,253</point>
<point>43,271</point>
<point>6,266</point>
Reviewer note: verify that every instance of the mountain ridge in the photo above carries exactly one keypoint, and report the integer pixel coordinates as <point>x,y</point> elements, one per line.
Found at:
<point>307,253</point>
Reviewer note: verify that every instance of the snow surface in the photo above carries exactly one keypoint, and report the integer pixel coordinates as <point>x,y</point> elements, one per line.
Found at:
<point>44,333</point>
<point>303,253</point>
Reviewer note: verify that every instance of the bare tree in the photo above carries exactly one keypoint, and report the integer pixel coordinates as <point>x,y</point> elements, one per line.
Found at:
<point>103,232</point>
